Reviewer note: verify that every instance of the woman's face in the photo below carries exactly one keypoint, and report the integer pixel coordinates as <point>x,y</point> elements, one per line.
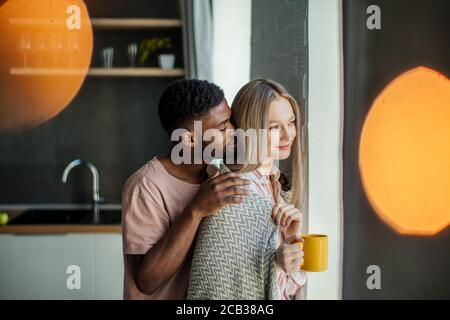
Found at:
<point>282,129</point>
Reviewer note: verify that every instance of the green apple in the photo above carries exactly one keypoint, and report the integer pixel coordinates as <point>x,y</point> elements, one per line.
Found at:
<point>3,218</point>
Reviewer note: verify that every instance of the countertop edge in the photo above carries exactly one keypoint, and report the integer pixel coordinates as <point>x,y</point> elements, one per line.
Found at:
<point>59,229</point>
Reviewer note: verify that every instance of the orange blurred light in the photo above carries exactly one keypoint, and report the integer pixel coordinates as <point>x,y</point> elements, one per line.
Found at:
<point>46,49</point>
<point>404,155</point>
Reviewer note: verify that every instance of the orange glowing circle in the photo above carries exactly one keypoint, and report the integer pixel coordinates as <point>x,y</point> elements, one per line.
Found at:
<point>404,153</point>
<point>46,49</point>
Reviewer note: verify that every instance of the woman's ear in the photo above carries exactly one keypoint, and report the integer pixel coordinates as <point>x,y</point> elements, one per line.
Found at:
<point>187,138</point>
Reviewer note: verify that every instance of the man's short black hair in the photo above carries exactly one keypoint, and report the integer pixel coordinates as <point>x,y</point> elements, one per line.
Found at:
<point>186,100</point>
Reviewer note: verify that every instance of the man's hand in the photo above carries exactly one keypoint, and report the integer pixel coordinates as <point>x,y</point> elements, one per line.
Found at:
<point>218,192</point>
<point>288,216</point>
<point>290,256</point>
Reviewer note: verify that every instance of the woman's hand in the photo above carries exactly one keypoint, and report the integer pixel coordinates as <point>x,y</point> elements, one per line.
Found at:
<point>286,215</point>
<point>289,256</point>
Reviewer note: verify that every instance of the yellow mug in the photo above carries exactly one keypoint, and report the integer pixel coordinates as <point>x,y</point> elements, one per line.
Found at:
<point>315,249</point>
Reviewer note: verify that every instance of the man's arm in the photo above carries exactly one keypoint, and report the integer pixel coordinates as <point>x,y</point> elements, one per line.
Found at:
<point>162,261</point>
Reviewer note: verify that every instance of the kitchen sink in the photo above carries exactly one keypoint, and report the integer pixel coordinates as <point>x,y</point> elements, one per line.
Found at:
<point>67,216</point>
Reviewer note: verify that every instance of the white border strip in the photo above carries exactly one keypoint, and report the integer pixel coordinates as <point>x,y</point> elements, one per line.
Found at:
<point>325,116</point>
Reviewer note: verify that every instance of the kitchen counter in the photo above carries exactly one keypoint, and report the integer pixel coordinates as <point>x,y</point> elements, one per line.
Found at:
<point>16,211</point>
<point>63,228</point>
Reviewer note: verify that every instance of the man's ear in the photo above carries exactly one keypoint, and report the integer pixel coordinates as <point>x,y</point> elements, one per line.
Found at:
<point>187,138</point>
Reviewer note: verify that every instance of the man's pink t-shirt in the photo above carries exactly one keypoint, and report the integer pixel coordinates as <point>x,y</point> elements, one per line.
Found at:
<point>151,201</point>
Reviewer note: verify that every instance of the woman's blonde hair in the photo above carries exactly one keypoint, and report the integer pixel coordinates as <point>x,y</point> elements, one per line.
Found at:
<point>250,110</point>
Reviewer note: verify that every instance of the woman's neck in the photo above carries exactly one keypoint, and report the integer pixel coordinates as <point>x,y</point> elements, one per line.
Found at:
<point>266,168</point>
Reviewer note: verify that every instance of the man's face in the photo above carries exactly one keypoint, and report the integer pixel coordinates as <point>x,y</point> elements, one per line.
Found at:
<point>218,122</point>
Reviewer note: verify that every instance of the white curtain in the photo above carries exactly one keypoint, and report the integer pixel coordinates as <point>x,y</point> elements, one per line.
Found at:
<point>197,38</point>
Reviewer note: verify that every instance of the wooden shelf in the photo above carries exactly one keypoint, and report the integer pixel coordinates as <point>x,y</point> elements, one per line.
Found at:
<point>46,71</point>
<point>135,72</point>
<point>134,23</point>
<point>106,23</point>
<point>99,72</point>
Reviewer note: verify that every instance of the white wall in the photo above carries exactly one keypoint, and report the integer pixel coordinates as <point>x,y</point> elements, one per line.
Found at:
<point>325,109</point>
<point>231,44</point>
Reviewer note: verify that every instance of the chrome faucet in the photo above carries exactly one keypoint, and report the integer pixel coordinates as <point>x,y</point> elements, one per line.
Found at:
<point>96,199</point>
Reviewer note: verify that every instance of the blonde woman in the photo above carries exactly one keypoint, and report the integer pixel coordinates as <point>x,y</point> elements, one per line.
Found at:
<point>264,104</point>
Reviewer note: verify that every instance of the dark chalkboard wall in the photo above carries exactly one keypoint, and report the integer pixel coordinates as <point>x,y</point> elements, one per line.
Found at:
<point>112,122</point>
<point>413,33</point>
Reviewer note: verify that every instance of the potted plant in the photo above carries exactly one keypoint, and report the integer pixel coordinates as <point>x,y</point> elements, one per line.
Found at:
<point>163,46</point>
